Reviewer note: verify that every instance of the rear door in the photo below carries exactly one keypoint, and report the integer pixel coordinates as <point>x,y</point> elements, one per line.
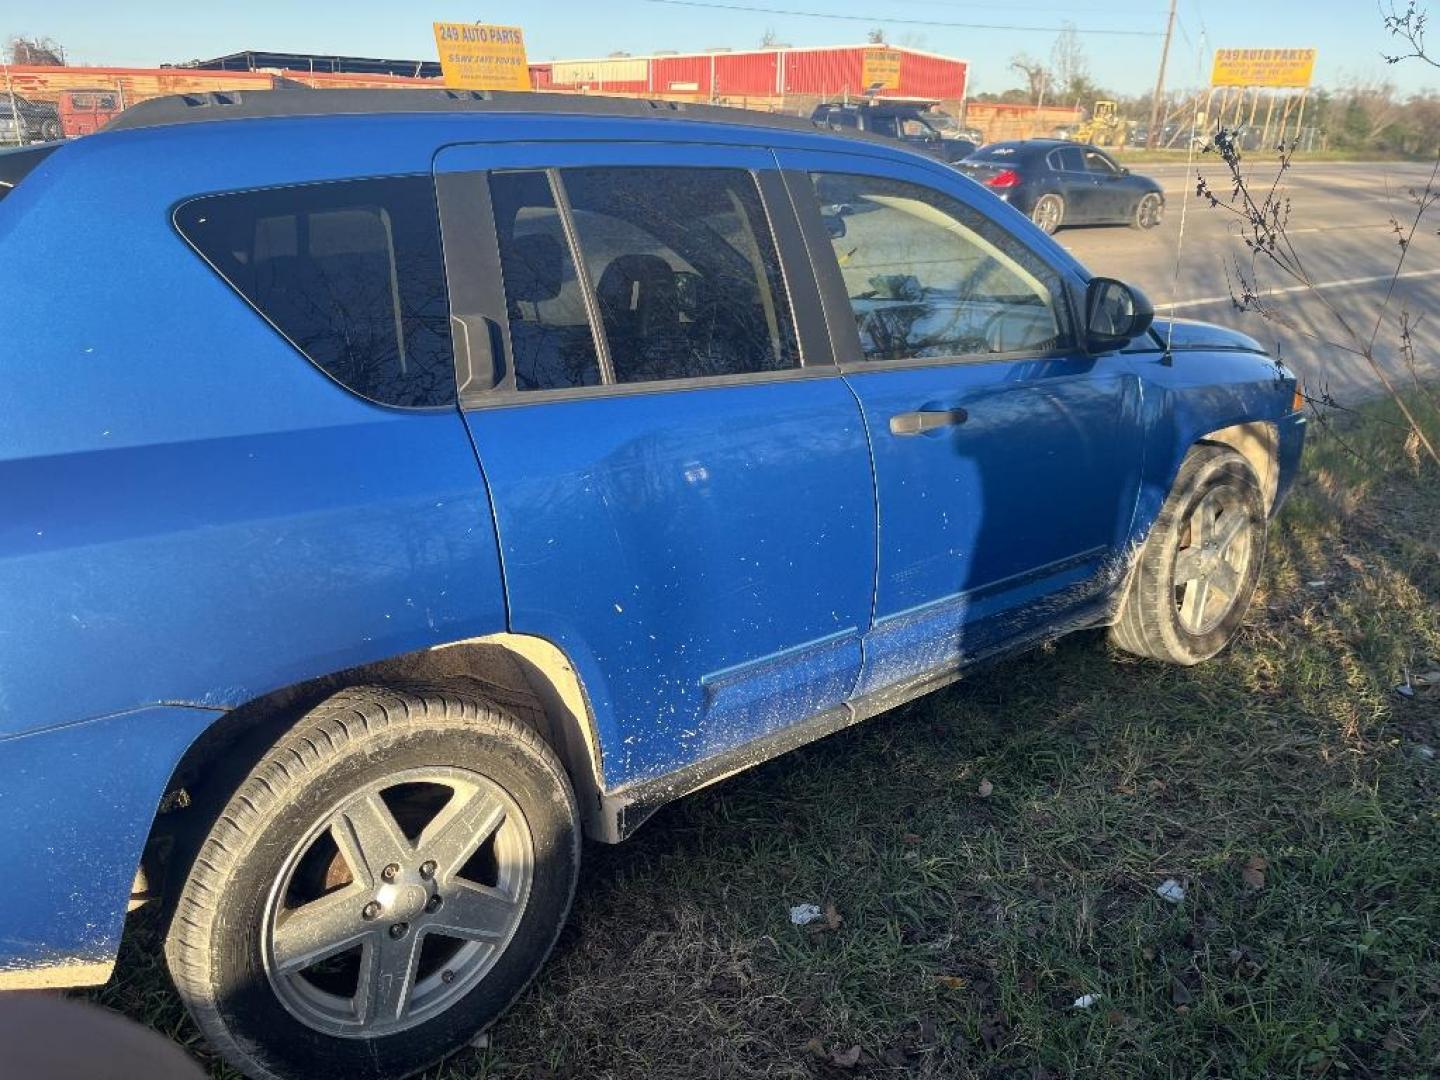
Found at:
<point>1076,184</point>
<point>1006,461</point>
<point>679,474</point>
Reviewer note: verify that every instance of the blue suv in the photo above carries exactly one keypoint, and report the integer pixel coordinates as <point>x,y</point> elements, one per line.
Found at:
<point>416,483</point>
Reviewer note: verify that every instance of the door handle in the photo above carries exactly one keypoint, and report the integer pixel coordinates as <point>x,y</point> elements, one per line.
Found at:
<point>917,423</point>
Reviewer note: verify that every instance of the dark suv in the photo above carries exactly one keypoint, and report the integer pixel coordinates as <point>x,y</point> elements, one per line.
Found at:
<point>38,121</point>
<point>450,476</point>
<point>917,126</point>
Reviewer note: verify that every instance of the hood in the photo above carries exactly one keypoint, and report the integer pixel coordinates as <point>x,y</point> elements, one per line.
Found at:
<point>1186,334</point>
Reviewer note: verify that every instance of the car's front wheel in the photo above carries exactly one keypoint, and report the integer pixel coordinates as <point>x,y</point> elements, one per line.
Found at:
<point>1193,577</point>
<point>380,888</point>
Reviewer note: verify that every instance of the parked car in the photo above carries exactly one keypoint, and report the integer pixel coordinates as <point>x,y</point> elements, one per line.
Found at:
<point>924,129</point>
<point>84,112</point>
<point>38,121</point>
<point>1064,183</point>
<point>448,477</point>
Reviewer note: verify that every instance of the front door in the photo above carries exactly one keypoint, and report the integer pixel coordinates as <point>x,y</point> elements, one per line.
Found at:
<point>1006,461</point>
<point>680,476</point>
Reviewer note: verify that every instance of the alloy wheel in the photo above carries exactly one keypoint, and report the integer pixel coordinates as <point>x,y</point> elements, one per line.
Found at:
<point>397,902</point>
<point>1213,561</point>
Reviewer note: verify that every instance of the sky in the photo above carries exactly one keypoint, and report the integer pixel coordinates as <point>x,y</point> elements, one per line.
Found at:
<point>144,33</point>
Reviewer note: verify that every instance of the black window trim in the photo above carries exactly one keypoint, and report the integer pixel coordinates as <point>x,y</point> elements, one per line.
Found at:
<point>841,317</point>
<point>461,212</point>
<point>180,204</point>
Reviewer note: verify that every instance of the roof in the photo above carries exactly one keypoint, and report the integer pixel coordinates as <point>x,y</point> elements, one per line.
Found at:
<point>760,51</point>
<point>253,104</point>
<point>255,59</point>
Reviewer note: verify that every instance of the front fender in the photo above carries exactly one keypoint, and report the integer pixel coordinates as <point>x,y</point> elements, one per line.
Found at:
<point>1194,394</point>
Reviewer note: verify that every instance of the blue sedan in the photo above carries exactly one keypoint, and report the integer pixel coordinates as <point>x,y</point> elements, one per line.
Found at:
<point>1060,183</point>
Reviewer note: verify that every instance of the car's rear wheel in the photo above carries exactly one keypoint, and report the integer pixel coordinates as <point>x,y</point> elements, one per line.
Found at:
<point>381,886</point>
<point>1193,578</point>
<point>1149,211</point>
<point>1048,212</point>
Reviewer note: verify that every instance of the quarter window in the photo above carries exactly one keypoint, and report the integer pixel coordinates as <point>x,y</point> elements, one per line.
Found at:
<point>349,272</point>
<point>928,276</point>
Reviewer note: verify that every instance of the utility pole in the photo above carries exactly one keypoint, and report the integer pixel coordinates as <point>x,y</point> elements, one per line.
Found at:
<point>1155,113</point>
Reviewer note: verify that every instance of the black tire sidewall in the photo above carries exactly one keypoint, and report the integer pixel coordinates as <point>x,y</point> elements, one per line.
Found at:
<point>1220,469</point>
<point>254,1015</point>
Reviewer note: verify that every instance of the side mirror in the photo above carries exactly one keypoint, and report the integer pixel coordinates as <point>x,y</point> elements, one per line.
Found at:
<point>1115,314</point>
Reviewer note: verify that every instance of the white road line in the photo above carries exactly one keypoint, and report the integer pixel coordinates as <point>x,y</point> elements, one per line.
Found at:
<point>1205,301</point>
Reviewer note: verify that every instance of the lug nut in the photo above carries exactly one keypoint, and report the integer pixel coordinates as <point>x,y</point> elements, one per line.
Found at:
<point>427,868</point>
<point>433,904</point>
<point>370,910</point>
<point>447,976</point>
<point>389,872</point>
<point>398,929</point>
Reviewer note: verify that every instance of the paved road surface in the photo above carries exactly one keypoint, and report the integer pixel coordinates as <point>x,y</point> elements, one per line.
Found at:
<point>1340,223</point>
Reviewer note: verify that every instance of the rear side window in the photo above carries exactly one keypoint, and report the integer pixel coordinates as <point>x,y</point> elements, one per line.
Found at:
<point>679,265</point>
<point>350,272</point>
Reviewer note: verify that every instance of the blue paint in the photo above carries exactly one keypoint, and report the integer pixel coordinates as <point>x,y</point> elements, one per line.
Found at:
<point>190,512</point>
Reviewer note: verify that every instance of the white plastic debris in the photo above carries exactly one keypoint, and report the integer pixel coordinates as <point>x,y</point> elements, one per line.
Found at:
<point>481,1041</point>
<point>1171,890</point>
<point>805,914</point>
<point>1084,1001</point>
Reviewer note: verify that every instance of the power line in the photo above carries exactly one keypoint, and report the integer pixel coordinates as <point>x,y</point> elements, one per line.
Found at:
<point>888,20</point>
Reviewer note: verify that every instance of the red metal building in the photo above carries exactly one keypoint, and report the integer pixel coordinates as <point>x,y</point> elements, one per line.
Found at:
<point>774,73</point>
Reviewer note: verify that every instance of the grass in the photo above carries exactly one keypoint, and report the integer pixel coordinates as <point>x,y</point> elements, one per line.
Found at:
<point>1139,155</point>
<point>1285,785</point>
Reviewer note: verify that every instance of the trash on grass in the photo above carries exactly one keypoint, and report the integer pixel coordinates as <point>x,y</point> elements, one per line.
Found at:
<point>805,914</point>
<point>986,789</point>
<point>1171,890</point>
<point>1084,1001</point>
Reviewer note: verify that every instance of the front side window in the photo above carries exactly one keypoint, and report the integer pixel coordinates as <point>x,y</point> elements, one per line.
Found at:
<point>1097,162</point>
<point>929,277</point>
<point>350,272</point>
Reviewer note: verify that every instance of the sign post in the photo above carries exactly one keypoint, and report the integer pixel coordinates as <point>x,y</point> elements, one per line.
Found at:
<point>478,56</point>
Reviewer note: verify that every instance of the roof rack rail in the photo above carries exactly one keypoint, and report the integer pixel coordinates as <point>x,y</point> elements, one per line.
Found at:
<point>289,101</point>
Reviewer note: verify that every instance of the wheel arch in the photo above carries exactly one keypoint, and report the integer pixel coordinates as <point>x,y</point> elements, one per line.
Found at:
<point>528,676</point>
<point>1258,442</point>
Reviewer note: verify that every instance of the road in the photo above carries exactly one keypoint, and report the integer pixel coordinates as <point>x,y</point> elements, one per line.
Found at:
<point>1340,224</point>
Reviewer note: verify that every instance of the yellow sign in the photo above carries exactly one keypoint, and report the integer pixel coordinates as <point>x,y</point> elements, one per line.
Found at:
<point>880,70</point>
<point>476,56</point>
<point>1263,67</point>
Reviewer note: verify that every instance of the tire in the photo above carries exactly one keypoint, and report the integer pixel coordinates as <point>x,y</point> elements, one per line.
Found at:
<point>359,782</point>
<point>1183,620</point>
<point>1149,212</point>
<point>50,131</point>
<point>1048,213</point>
